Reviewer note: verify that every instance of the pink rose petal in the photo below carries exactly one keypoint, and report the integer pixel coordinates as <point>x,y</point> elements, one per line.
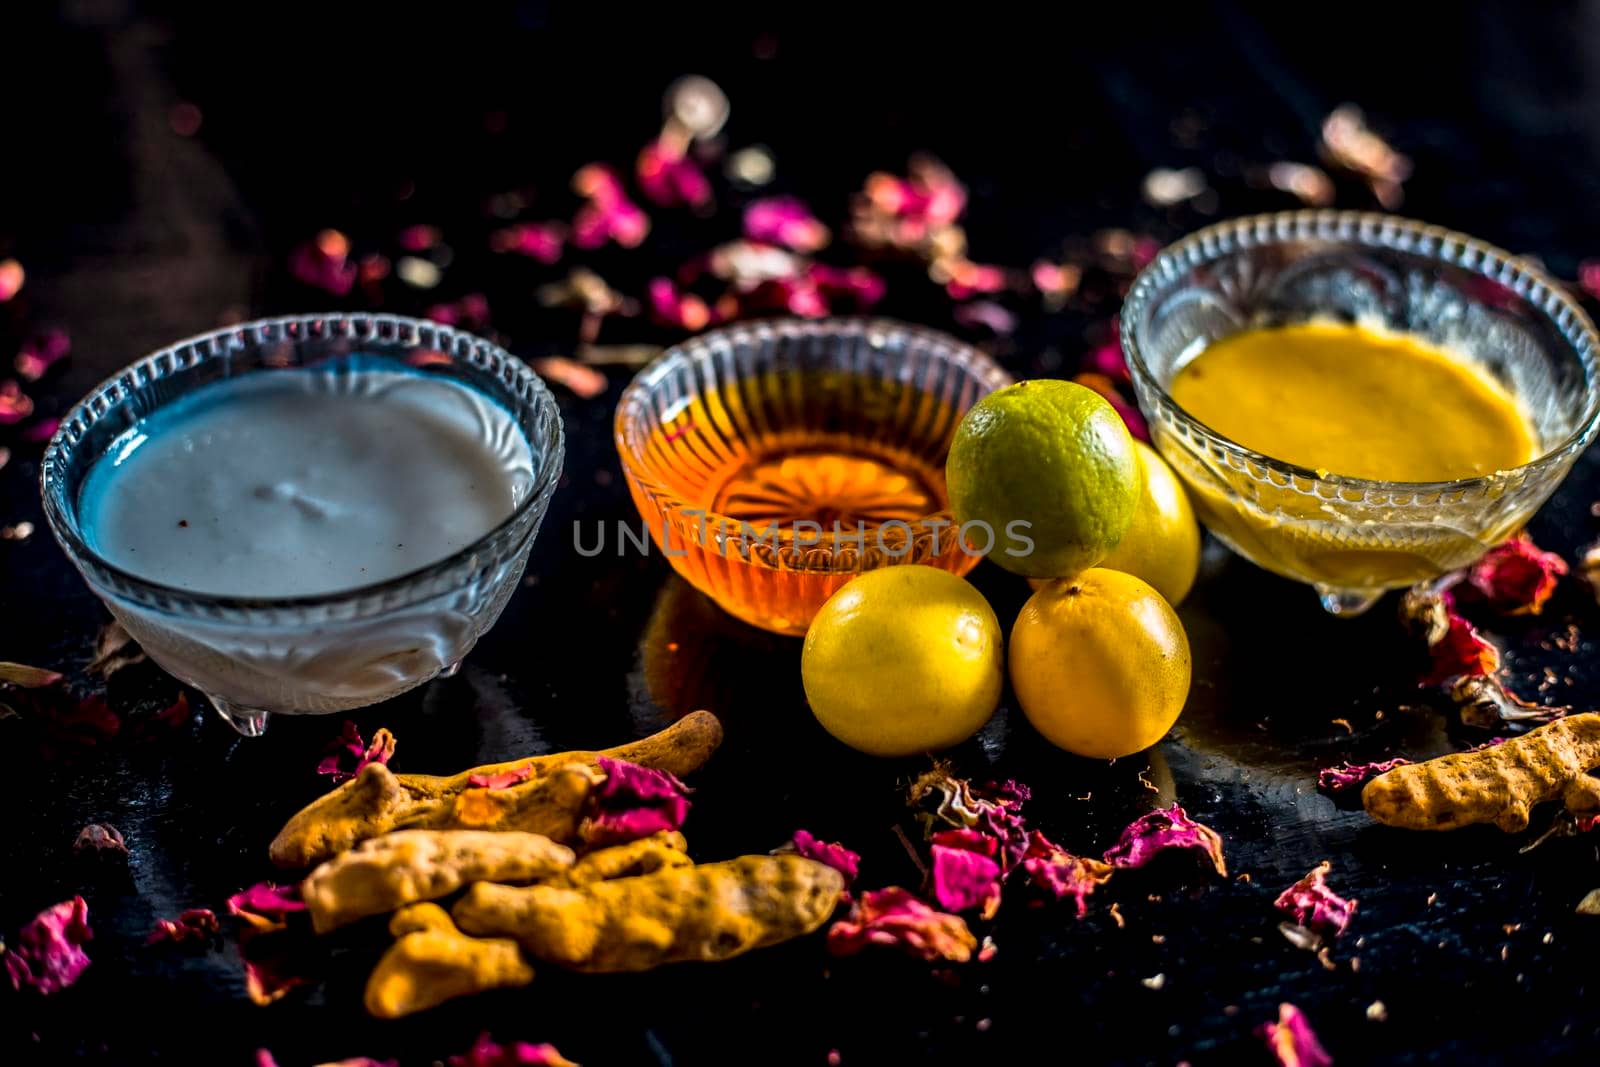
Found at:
<point>784,220</point>
<point>37,356</point>
<point>1292,1041</point>
<point>1314,906</point>
<point>634,802</point>
<point>835,855</point>
<point>1150,835</point>
<point>48,955</point>
<point>895,918</point>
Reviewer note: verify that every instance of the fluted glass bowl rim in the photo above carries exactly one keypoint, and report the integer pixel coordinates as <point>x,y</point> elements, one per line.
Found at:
<point>1365,229</point>
<point>632,403</point>
<point>358,602</point>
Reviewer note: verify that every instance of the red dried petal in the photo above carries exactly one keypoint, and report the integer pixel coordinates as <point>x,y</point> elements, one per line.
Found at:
<point>609,215</point>
<point>542,241</point>
<point>832,853</point>
<point>485,1052</point>
<point>994,809</point>
<point>668,177</point>
<point>40,431</point>
<point>1154,833</point>
<point>896,918</point>
<point>502,779</point>
<point>195,924</point>
<point>784,220</point>
<point>1461,652</point>
<point>1518,577</point>
<point>634,802</point>
<point>48,956</point>
<point>266,906</point>
<point>959,880</point>
<point>968,279</point>
<point>1314,906</point>
<point>268,976</point>
<point>1350,776</point>
<point>584,382</point>
<point>11,278</point>
<point>1131,416</point>
<point>349,748</point>
<point>987,314</point>
<point>89,721</point>
<point>15,405</point>
<point>324,263</point>
<point>419,238</point>
<point>1588,278</point>
<point>1062,874</point>
<point>1107,359</point>
<point>102,837</point>
<point>38,355</point>
<point>1291,1040</point>
<point>671,307</point>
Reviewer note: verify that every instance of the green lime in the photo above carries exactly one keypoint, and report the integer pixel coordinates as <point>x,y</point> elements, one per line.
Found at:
<point>1049,472</point>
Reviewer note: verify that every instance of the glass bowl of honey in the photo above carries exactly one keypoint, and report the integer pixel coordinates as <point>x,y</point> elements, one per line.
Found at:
<point>773,461</point>
<point>307,514</point>
<point>1358,401</point>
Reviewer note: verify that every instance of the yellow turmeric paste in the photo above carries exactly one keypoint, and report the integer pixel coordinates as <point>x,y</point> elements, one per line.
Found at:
<point>1353,401</point>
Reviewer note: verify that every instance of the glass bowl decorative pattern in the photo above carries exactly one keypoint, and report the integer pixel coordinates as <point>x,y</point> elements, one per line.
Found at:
<point>1354,538</point>
<point>253,656</point>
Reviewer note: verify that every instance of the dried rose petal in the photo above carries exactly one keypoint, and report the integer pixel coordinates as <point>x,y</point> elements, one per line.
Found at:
<point>1486,703</point>
<point>1107,359</point>
<point>26,677</point>
<point>1518,577</point>
<point>15,405</point>
<point>488,1053</point>
<point>1589,277</point>
<point>266,906</point>
<point>994,809</point>
<point>418,238</point>
<point>1131,416</point>
<point>89,721</point>
<point>967,279</point>
<point>584,382</point>
<point>265,1058</point>
<point>674,308</point>
<point>40,431</point>
<point>895,917</point>
<point>784,220</point>
<point>37,356</point>
<point>1462,651</point>
<point>668,177</point>
<point>48,956</point>
<point>1334,781</point>
<point>832,853</point>
<point>360,1061</point>
<point>987,314</point>
<point>1154,833</point>
<point>609,215</point>
<point>1056,281</point>
<point>195,924</point>
<point>324,263</point>
<point>11,278</point>
<point>349,743</point>
<point>272,966</point>
<point>1291,1040</point>
<point>502,779</point>
<point>1348,142</point>
<point>962,880</point>
<point>542,241</point>
<point>1314,906</point>
<point>102,838</point>
<point>1062,874</point>
<point>634,802</point>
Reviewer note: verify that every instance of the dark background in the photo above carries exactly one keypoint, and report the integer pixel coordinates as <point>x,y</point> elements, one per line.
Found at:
<point>369,117</point>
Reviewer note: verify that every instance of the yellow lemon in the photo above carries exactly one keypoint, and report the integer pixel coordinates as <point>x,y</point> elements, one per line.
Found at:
<point>1100,663</point>
<point>1162,544</point>
<point>1050,469</point>
<point>902,660</point>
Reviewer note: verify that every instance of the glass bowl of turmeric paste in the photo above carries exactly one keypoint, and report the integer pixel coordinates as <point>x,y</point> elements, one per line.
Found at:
<point>1358,401</point>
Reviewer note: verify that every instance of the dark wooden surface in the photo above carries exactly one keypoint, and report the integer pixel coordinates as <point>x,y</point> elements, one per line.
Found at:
<point>313,117</point>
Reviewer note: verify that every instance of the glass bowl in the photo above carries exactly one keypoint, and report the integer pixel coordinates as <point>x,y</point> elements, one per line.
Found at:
<point>312,654</point>
<point>774,461</point>
<point>1353,538</point>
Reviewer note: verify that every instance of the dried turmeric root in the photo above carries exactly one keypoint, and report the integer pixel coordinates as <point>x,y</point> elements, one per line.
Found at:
<point>710,912</point>
<point>1499,785</point>
<point>389,872</point>
<point>378,800</point>
<point>433,962</point>
<point>646,855</point>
